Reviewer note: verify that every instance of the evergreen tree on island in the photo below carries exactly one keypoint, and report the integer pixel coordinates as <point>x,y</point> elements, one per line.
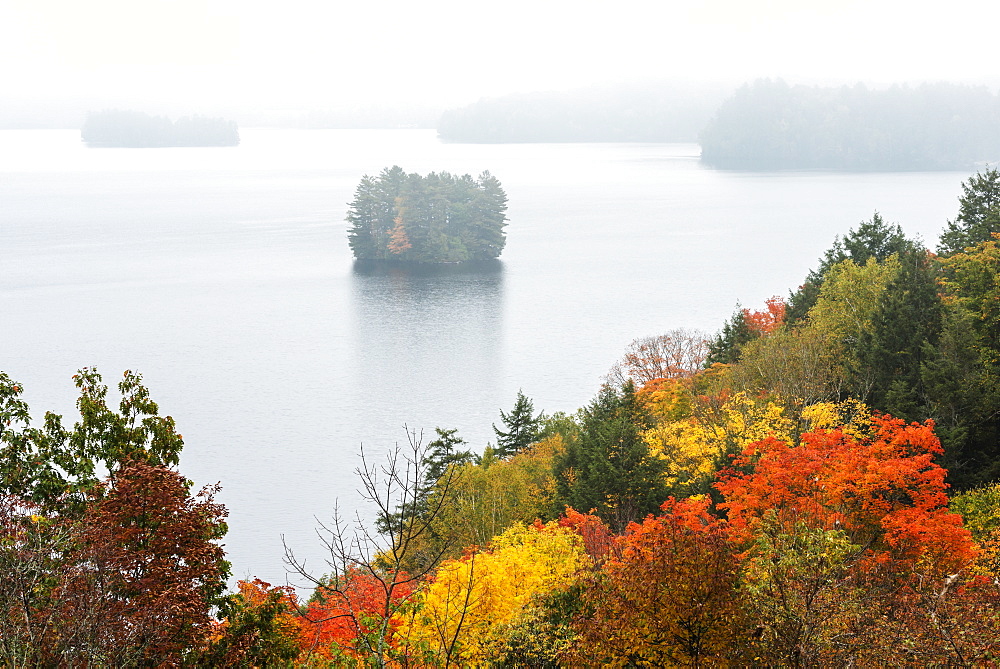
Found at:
<point>438,218</point>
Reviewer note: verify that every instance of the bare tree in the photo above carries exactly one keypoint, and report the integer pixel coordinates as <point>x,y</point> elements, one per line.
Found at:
<point>360,557</point>
<point>677,354</point>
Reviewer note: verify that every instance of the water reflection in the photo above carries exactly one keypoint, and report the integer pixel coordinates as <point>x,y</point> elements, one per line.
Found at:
<point>428,346</point>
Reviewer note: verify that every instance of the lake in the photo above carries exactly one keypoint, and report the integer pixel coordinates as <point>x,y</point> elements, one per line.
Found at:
<point>223,276</point>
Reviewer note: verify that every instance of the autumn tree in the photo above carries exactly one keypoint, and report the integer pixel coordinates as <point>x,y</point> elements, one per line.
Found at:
<point>675,354</point>
<point>369,578</point>
<point>259,626</point>
<point>836,511</point>
<point>116,571</point>
<point>744,327</point>
<point>131,580</point>
<point>667,596</point>
<point>462,614</point>
<point>694,446</point>
<point>884,490</point>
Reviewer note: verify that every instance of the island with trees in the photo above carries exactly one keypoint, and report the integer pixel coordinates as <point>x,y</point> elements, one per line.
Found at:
<point>132,129</point>
<point>817,485</point>
<point>438,218</point>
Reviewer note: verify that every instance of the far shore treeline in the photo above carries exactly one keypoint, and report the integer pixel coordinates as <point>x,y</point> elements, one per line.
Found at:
<point>815,485</point>
<point>438,218</point>
<point>767,124</point>
<point>132,129</point>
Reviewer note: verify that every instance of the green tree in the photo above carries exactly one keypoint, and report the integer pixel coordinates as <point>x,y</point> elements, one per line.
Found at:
<point>907,320</point>
<point>438,457</point>
<point>872,239</point>
<point>978,213</point>
<point>55,467</point>
<point>523,428</point>
<point>609,467</point>
<point>962,373</point>
<point>727,346</point>
<point>371,214</point>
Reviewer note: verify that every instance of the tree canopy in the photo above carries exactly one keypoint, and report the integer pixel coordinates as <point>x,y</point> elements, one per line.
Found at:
<point>438,218</point>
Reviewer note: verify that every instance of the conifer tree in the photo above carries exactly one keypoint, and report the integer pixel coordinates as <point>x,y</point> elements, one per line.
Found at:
<point>609,468</point>
<point>978,213</point>
<point>523,428</point>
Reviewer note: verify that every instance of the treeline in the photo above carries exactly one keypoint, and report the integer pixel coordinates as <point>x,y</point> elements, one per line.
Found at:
<point>764,125</point>
<point>771,125</point>
<point>615,114</point>
<point>814,485</point>
<point>438,218</point>
<point>116,128</point>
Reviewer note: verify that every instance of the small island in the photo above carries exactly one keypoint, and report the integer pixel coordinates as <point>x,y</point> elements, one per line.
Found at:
<point>438,218</point>
<point>131,129</point>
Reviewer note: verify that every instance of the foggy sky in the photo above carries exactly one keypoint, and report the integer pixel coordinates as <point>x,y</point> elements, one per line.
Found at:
<point>298,54</point>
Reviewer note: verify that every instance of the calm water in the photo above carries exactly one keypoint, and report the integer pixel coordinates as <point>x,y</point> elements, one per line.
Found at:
<point>224,277</point>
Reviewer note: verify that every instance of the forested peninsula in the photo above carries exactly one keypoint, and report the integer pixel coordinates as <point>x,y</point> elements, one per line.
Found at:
<point>764,125</point>
<point>131,129</point>
<point>437,218</point>
<point>771,125</point>
<point>816,484</point>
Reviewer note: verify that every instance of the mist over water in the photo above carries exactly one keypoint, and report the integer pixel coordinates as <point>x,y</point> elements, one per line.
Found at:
<point>224,277</point>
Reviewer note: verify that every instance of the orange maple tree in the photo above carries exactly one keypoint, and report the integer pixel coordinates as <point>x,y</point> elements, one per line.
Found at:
<point>768,319</point>
<point>667,595</point>
<point>336,617</point>
<point>884,490</point>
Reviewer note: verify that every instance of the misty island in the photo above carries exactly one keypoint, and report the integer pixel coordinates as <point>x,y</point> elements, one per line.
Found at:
<point>438,218</point>
<point>131,129</point>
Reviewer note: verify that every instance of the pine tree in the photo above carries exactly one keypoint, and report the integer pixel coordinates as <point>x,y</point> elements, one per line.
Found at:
<point>978,213</point>
<point>439,455</point>
<point>609,468</point>
<point>872,239</point>
<point>523,428</point>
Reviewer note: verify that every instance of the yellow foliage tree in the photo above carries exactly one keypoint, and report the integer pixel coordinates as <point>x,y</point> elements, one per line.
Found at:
<point>695,447</point>
<point>457,616</point>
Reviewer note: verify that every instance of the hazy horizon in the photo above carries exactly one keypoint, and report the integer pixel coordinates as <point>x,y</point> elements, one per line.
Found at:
<point>246,59</point>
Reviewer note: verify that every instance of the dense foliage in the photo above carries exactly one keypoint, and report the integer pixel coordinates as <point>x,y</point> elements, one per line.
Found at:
<point>116,128</point>
<point>771,125</point>
<point>438,218</point>
<point>119,571</point>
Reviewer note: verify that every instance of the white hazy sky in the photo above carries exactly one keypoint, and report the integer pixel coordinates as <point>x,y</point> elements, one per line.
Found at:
<point>299,53</point>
